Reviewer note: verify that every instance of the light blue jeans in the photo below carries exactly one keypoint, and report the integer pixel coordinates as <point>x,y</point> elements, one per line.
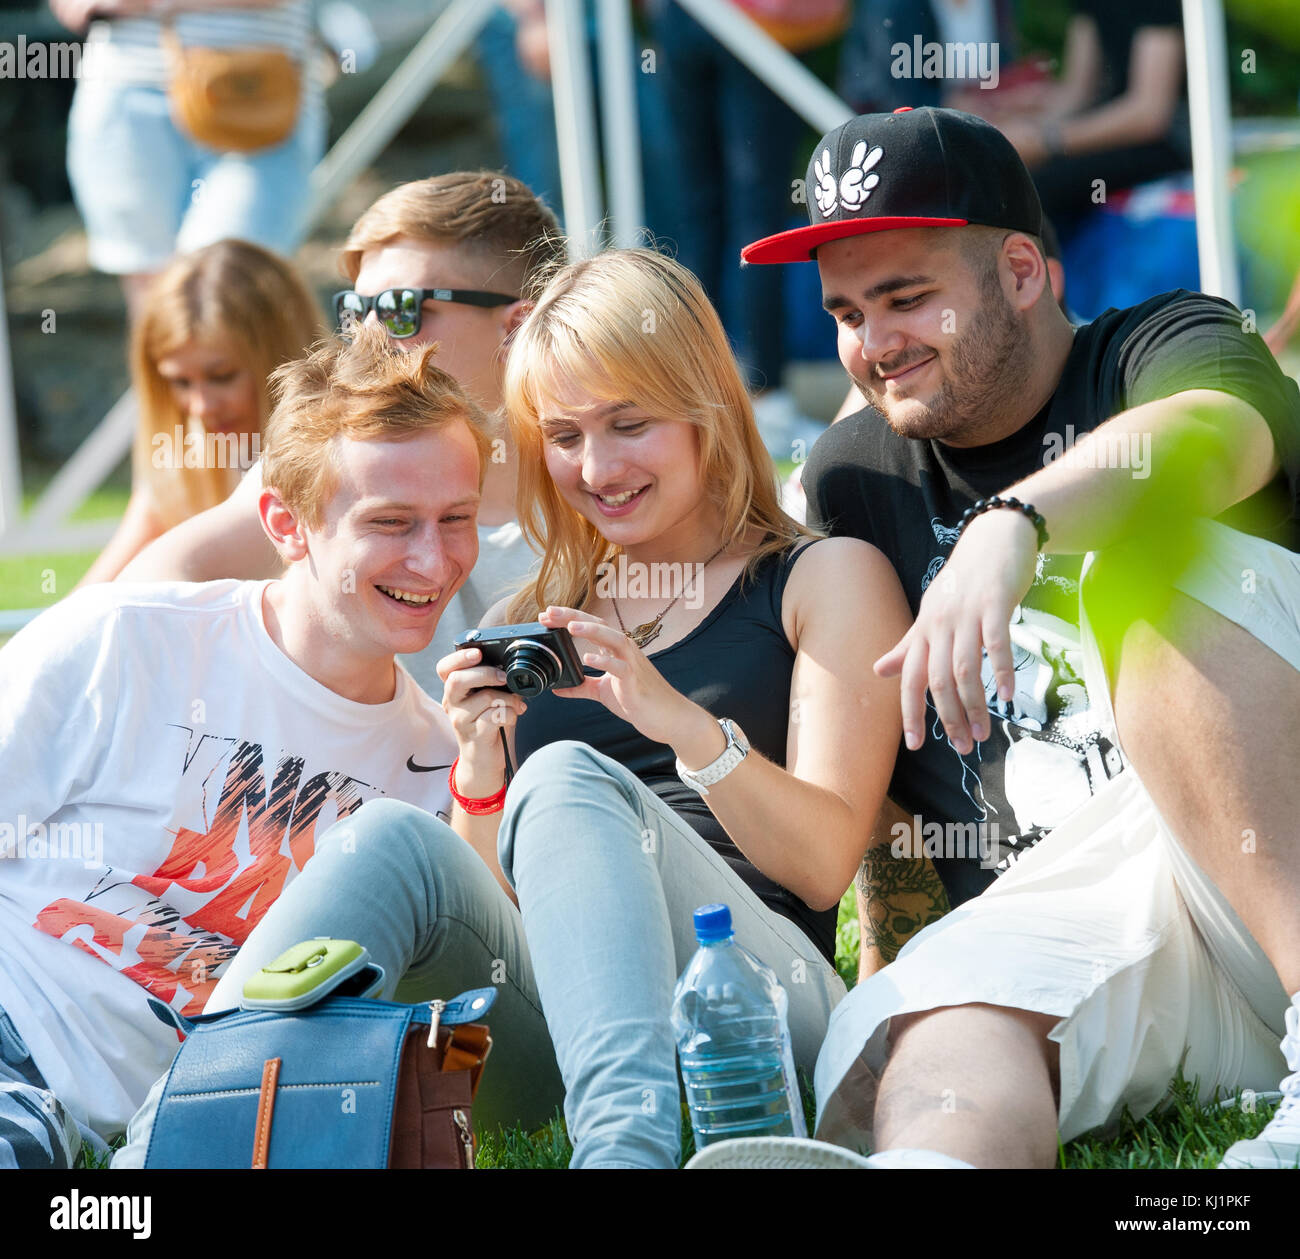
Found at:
<point>608,877</point>
<point>420,899</point>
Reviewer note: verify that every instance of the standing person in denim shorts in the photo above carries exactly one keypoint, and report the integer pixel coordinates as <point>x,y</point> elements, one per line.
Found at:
<point>145,189</point>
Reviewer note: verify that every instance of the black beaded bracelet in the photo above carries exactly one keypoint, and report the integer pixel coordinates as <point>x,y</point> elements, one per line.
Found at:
<point>990,504</point>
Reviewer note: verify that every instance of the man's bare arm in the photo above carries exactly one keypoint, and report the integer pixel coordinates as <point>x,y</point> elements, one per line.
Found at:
<point>1192,454</point>
<point>224,541</point>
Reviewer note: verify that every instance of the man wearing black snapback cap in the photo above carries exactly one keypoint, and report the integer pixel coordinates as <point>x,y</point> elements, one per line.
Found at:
<point>1155,925</point>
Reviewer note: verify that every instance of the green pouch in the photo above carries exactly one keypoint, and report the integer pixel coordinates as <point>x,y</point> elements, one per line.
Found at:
<point>302,975</point>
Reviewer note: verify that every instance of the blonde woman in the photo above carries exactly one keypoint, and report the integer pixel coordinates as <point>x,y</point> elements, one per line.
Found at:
<point>640,460</point>
<point>213,327</point>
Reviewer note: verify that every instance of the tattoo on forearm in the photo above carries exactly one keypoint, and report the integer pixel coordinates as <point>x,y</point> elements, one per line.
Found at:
<point>900,895</point>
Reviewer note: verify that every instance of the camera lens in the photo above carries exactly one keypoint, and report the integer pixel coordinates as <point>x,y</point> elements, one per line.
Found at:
<point>530,668</point>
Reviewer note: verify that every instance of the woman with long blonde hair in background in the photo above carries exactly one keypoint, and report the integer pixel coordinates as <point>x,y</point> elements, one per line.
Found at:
<point>213,327</point>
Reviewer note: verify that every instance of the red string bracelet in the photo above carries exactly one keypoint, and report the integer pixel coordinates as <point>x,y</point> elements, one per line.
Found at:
<point>488,804</point>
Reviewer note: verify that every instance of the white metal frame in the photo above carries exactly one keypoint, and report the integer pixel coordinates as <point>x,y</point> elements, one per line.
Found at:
<point>1210,109</point>
<point>11,479</point>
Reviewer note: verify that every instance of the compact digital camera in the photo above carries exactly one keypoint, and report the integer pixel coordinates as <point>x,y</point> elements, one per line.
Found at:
<point>534,657</point>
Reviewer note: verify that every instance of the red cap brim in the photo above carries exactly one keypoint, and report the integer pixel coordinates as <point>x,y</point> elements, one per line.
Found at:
<point>797,244</point>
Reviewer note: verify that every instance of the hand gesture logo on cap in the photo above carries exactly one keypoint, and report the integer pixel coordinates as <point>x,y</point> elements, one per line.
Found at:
<point>827,189</point>
<point>856,184</point>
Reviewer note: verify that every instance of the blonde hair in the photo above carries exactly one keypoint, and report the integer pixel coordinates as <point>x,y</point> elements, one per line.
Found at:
<point>232,292</point>
<point>631,325</point>
<point>487,214</point>
<point>363,389</point>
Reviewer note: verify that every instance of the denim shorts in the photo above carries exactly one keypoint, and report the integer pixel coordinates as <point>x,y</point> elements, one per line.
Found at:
<point>146,191</point>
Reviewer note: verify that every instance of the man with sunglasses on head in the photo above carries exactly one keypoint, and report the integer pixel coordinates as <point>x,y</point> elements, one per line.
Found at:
<point>1096,528</point>
<point>446,259</point>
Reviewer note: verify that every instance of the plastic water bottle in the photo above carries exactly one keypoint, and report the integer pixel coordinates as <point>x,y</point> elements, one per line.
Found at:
<point>729,1020</point>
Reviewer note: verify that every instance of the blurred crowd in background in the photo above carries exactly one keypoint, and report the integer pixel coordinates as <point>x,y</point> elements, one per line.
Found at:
<point>1091,92</point>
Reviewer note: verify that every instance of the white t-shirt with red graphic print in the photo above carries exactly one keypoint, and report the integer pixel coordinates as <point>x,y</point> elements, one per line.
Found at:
<point>164,771</point>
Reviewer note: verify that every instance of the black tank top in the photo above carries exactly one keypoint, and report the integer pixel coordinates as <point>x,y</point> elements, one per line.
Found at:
<point>736,663</point>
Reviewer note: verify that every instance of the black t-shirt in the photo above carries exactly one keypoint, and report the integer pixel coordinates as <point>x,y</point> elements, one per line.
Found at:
<point>1117,22</point>
<point>736,663</point>
<point>1047,751</point>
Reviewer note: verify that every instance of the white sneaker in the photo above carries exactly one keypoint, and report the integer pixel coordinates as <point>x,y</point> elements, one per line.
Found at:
<point>1278,1146</point>
<point>776,1154</point>
<point>803,1154</point>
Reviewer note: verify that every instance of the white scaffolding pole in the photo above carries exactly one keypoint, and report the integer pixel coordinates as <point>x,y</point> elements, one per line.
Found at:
<point>575,125</point>
<point>619,113</point>
<point>1211,119</point>
<point>396,101</point>
<point>94,459</point>
<point>789,78</point>
<point>11,477</point>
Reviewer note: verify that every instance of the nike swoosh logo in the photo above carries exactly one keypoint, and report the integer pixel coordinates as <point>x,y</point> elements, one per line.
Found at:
<point>422,769</point>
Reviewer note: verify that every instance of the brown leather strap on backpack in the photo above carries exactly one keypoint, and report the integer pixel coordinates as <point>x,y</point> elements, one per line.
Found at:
<point>265,1111</point>
<point>470,1045</point>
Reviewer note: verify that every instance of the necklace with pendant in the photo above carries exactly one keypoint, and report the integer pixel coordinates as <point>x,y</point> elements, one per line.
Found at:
<point>645,633</point>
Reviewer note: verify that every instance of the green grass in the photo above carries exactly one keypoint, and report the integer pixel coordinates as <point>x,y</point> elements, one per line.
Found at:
<point>44,577</point>
<point>1179,1134</point>
<point>37,581</point>
<point>106,503</point>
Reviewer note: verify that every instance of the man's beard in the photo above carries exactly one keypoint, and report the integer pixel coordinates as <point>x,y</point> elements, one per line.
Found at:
<point>985,367</point>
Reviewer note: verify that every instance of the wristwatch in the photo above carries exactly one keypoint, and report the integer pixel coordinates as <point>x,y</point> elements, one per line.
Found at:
<point>736,750</point>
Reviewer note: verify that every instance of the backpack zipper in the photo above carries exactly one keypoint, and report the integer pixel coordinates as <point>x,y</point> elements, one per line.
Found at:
<point>461,1120</point>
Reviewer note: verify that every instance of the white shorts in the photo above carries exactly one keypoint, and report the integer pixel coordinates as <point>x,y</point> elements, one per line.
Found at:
<point>1106,924</point>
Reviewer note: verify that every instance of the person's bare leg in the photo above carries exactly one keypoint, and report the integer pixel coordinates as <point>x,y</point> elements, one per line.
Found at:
<point>1210,719</point>
<point>976,1082</point>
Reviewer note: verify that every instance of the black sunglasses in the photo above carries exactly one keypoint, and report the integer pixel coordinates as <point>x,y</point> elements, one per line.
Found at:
<point>399,310</point>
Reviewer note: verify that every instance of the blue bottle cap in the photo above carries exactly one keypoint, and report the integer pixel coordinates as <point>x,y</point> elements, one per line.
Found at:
<point>713,923</point>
